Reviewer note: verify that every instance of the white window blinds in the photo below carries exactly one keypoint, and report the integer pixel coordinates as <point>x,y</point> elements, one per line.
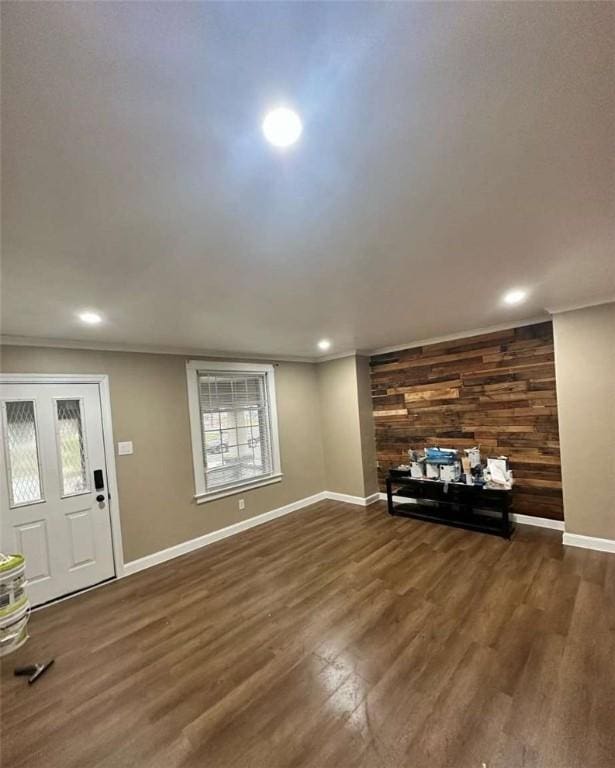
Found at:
<point>235,427</point>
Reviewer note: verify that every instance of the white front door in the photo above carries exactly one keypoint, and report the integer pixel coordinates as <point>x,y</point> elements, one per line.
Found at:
<point>54,499</point>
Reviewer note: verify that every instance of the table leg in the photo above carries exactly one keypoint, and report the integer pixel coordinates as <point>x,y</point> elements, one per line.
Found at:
<point>390,496</point>
<point>506,520</point>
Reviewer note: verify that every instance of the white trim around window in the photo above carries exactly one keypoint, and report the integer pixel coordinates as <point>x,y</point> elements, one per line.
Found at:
<point>199,368</point>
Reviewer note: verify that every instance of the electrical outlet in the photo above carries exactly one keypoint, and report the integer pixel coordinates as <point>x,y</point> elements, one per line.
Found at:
<point>242,504</point>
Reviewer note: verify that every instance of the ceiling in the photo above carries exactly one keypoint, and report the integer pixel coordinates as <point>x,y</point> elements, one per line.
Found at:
<point>450,152</point>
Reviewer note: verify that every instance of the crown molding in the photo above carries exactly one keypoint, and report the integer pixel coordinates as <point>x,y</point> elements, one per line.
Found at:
<point>7,340</point>
<point>585,305</point>
<point>460,335</point>
<point>35,341</point>
<point>337,356</point>
<point>96,346</point>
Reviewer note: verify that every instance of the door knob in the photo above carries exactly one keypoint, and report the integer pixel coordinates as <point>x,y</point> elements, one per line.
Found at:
<point>100,497</point>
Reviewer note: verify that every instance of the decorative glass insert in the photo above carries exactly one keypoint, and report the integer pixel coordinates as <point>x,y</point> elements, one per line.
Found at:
<point>23,463</point>
<point>71,447</point>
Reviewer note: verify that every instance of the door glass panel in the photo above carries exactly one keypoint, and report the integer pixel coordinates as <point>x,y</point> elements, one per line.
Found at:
<point>23,464</point>
<point>71,447</point>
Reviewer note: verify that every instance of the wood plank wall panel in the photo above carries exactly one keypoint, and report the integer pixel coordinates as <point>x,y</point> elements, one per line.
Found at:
<point>496,390</point>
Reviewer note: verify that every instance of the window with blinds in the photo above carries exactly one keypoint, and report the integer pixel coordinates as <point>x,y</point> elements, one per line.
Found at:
<point>236,426</point>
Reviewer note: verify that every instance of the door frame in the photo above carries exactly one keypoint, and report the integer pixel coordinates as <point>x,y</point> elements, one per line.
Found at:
<point>102,380</point>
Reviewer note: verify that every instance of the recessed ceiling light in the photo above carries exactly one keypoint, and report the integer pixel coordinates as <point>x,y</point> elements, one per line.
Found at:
<point>91,318</point>
<point>324,344</point>
<point>515,297</point>
<point>282,127</point>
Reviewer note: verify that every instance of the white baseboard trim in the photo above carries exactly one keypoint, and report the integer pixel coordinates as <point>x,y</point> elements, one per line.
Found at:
<point>588,542</point>
<point>209,538</point>
<point>362,501</point>
<point>605,545</point>
<point>539,522</point>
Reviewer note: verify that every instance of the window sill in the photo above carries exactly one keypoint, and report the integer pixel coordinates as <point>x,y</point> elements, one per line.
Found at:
<point>202,498</point>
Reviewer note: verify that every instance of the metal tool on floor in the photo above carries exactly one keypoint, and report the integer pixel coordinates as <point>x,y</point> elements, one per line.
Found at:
<point>33,671</point>
<point>15,613</point>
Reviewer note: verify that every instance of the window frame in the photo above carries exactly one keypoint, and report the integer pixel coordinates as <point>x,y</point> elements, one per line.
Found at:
<point>199,459</point>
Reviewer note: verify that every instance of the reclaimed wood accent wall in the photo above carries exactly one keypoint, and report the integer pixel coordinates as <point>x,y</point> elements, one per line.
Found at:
<point>496,390</point>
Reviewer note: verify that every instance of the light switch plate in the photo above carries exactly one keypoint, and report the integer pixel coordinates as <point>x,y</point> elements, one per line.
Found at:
<point>124,449</point>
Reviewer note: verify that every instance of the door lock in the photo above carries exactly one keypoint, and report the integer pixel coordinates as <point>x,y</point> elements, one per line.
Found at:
<point>99,481</point>
<point>100,497</point>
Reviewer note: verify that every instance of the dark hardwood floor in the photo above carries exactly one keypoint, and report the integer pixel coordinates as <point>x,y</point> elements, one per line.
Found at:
<point>336,636</point>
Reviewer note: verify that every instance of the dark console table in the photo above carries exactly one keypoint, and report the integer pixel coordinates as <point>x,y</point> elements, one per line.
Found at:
<point>464,506</point>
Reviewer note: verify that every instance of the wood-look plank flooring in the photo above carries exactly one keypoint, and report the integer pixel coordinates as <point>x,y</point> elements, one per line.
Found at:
<point>336,636</point>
